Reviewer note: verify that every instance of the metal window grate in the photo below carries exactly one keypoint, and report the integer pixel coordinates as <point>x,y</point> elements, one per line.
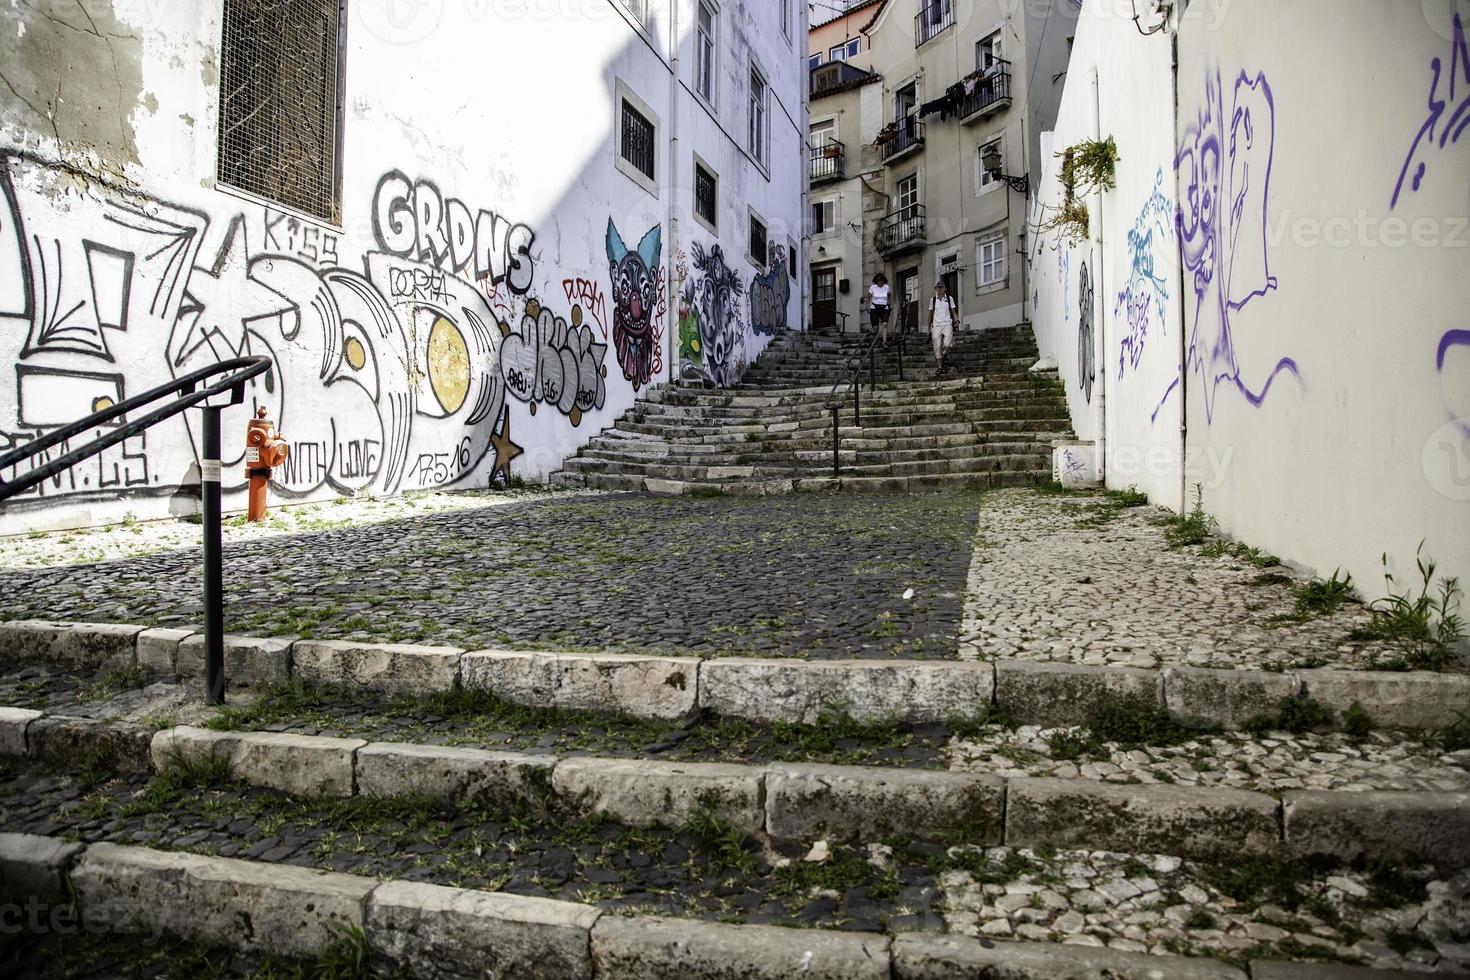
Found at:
<point>279,102</point>
<point>758,241</point>
<point>636,144</point>
<point>704,194</point>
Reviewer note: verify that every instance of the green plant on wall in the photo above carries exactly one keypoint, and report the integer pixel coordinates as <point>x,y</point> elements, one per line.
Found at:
<point>1088,166</point>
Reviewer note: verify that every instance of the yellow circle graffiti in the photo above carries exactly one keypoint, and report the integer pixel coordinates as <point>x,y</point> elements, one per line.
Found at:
<point>356,355</point>
<point>101,403</point>
<point>449,365</point>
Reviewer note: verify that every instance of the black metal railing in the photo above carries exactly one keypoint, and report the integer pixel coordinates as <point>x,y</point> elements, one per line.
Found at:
<point>902,227</point>
<point>933,17</point>
<point>825,160</point>
<point>903,134</point>
<point>989,90</point>
<point>238,371</point>
<point>854,382</point>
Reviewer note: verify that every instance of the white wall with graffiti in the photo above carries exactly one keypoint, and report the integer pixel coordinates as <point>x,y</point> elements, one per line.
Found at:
<point>1312,226</point>
<point>494,292</point>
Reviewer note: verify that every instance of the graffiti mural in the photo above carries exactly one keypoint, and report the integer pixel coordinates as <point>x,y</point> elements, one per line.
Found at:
<point>1224,171</point>
<point>711,336</point>
<point>554,362</point>
<point>393,376</point>
<point>769,294</point>
<point>1140,304</point>
<point>1454,377</point>
<point>634,276</point>
<point>1448,103</point>
<point>1086,346</point>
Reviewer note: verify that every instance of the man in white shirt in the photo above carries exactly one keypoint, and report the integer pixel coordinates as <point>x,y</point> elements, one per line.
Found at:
<point>942,315</point>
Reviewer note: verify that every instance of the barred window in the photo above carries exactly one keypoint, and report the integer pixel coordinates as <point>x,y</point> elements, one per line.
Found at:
<point>280,102</point>
<point>636,144</point>
<point>705,203</point>
<point>757,240</point>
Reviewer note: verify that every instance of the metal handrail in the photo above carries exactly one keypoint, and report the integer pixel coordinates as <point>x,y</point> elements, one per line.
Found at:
<point>238,371</point>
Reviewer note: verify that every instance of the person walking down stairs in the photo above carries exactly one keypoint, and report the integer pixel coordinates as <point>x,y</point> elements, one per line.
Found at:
<point>942,314</point>
<point>878,307</point>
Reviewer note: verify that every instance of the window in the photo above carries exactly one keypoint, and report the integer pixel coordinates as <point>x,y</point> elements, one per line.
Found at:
<point>791,259</point>
<point>756,138</point>
<point>908,192</point>
<point>824,132</point>
<point>986,179</point>
<point>990,259</point>
<point>824,217</point>
<point>639,10</point>
<point>905,102</point>
<point>704,62</point>
<point>987,51</point>
<point>635,148</point>
<point>846,50</point>
<point>706,196</point>
<point>786,18</point>
<point>757,240</point>
<point>636,140</point>
<point>280,103</point>
<point>815,61</point>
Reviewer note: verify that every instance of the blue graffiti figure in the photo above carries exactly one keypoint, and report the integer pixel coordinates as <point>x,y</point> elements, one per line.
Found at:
<point>635,297</point>
<point>1438,105</point>
<point>1224,168</point>
<point>1143,297</point>
<point>769,293</point>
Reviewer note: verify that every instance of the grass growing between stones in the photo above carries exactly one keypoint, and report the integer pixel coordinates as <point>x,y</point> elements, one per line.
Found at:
<point>1426,628</point>
<point>1126,723</point>
<point>478,718</point>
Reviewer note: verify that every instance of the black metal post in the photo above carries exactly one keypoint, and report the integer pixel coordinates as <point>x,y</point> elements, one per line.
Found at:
<point>872,367</point>
<point>214,590</point>
<point>857,395</point>
<point>901,331</point>
<point>836,466</point>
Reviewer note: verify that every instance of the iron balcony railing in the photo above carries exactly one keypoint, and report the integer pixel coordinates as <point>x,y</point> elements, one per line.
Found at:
<point>905,133</point>
<point>825,161</point>
<point>900,228</point>
<point>989,91</point>
<point>933,17</point>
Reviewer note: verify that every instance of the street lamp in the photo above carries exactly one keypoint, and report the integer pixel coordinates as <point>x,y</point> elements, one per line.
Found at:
<point>990,160</point>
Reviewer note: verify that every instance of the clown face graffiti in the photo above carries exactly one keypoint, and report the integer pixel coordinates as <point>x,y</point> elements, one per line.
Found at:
<point>635,297</point>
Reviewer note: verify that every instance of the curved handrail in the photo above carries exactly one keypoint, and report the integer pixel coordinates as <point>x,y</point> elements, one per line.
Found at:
<point>241,369</point>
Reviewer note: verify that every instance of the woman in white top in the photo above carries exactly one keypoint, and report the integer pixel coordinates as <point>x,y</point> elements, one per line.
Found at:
<point>942,314</point>
<point>878,308</point>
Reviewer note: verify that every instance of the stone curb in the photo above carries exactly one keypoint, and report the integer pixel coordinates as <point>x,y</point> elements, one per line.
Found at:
<point>768,690</point>
<point>302,765</point>
<point>813,802</point>
<point>1433,826</point>
<point>448,933</point>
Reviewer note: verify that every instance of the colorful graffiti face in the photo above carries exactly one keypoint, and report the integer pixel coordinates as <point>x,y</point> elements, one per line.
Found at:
<point>635,298</point>
<point>713,296</point>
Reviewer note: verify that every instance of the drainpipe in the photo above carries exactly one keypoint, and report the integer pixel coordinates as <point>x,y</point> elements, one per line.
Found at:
<point>671,207</point>
<point>1183,343</point>
<point>1099,309</point>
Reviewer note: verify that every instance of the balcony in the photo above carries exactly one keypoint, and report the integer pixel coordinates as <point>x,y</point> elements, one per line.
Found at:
<point>992,94</point>
<point>902,230</point>
<point>901,138</point>
<point>824,161</point>
<point>934,17</point>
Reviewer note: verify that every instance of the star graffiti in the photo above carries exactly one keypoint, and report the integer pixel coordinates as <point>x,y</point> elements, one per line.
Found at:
<point>505,449</point>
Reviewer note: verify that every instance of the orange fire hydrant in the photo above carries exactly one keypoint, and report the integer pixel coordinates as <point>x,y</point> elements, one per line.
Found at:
<point>264,450</point>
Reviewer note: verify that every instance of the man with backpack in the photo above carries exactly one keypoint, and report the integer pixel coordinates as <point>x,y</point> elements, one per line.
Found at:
<point>943,312</point>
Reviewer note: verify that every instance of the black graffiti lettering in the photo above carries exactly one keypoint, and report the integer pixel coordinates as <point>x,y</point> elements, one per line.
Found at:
<point>306,465</point>
<point>432,243</point>
<point>358,458</point>
<point>393,217</point>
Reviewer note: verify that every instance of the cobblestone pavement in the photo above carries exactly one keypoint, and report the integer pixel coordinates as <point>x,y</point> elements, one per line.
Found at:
<point>1077,579</point>
<point>1273,762</point>
<point>133,538</point>
<point>814,575</point>
<point>1251,907</point>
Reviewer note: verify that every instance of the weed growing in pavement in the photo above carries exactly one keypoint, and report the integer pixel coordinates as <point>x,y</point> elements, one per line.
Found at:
<point>1425,628</point>
<point>723,847</point>
<point>1132,497</point>
<point>1196,527</point>
<point>178,775</point>
<point>1456,736</point>
<point>113,682</point>
<point>1356,722</point>
<point>1270,578</point>
<point>1319,598</point>
<point>1297,715</point>
<point>1255,880</point>
<point>1128,723</point>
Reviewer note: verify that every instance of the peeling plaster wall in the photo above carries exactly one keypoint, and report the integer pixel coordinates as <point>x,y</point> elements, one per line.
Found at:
<point>497,292</point>
<point>1317,191</point>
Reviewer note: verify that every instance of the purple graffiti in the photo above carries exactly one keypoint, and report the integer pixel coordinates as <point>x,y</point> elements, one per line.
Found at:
<point>1145,293</point>
<point>1451,340</point>
<point>1459,118</point>
<point>1225,172</point>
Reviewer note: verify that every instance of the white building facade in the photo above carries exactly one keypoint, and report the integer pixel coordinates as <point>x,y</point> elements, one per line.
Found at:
<point>469,234</point>
<point>1268,310</point>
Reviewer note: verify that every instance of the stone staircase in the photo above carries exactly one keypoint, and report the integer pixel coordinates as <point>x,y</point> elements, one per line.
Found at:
<point>989,421</point>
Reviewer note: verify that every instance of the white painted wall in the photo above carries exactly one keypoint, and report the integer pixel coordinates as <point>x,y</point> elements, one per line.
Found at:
<point>397,368</point>
<point>1326,379</point>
